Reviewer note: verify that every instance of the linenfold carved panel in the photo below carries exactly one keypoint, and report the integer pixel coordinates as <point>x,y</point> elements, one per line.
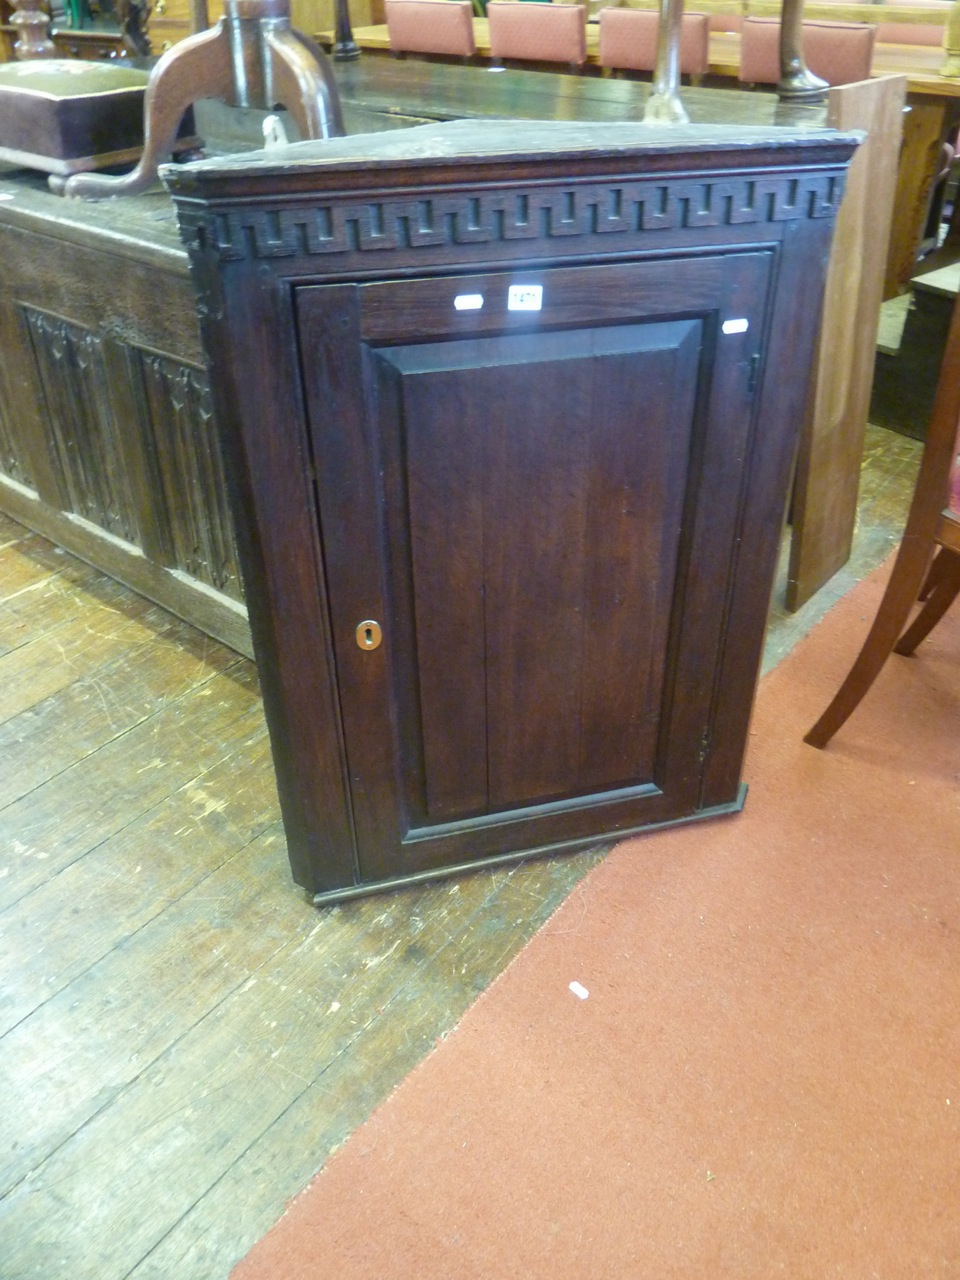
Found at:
<point>13,461</point>
<point>140,414</point>
<point>82,428</point>
<point>200,526</point>
<point>544,213</point>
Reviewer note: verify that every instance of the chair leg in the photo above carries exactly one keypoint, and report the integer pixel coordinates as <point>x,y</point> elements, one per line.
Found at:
<point>943,585</point>
<point>920,542</point>
<point>906,579</point>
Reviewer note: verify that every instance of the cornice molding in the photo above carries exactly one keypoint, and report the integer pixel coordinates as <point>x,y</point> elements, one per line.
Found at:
<point>433,219</point>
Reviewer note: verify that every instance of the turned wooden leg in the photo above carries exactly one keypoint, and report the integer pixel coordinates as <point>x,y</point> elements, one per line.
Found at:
<point>302,82</point>
<point>664,102</point>
<point>345,48</point>
<point>944,585</point>
<point>199,66</point>
<point>796,81</point>
<point>31,22</point>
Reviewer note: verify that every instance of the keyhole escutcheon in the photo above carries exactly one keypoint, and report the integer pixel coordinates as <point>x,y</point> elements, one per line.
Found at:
<point>369,635</point>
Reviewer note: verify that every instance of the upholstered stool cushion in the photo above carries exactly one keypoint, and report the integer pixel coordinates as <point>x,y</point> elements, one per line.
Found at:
<point>64,115</point>
<point>538,32</point>
<point>431,26</point>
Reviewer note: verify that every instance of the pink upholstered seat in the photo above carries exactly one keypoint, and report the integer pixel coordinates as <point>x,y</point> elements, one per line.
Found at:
<point>628,40</point>
<point>913,32</point>
<point>431,26</point>
<point>725,21</point>
<point>538,32</point>
<point>838,52</point>
<point>760,51</point>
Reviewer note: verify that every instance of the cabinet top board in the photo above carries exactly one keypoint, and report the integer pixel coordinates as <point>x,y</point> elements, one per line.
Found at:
<point>475,142</point>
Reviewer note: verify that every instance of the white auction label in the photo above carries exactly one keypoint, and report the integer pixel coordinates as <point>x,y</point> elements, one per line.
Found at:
<point>468,301</point>
<point>735,326</point>
<point>525,297</point>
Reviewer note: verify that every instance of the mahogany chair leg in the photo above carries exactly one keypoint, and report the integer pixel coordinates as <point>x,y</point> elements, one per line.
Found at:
<point>919,544</point>
<point>937,568</point>
<point>905,582</point>
<point>943,588</point>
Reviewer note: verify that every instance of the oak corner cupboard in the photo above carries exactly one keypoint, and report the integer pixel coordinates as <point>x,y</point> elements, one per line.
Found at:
<point>508,413</point>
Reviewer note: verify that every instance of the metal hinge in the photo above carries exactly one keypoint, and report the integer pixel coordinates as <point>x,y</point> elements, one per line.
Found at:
<point>753,372</point>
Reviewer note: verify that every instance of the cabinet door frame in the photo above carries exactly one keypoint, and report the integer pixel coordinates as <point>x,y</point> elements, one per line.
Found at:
<point>340,328</point>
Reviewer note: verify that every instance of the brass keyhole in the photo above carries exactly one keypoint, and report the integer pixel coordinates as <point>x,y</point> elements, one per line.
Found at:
<point>369,634</point>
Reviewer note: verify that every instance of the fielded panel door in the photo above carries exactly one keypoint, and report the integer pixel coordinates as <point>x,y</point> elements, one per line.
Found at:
<point>526,559</point>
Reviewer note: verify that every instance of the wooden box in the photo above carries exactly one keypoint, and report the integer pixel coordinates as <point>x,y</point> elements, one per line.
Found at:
<point>508,414</point>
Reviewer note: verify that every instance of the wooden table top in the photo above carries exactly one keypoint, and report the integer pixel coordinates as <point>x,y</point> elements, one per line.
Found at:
<point>412,89</point>
<point>919,63</point>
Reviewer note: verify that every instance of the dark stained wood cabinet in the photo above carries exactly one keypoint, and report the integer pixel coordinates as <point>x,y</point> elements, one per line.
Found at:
<point>508,415</point>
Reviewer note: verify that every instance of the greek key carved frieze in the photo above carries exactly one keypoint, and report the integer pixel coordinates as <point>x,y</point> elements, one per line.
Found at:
<point>437,219</point>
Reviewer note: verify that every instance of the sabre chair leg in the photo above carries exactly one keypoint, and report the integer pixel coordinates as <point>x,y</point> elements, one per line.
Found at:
<point>943,585</point>
<point>198,67</point>
<point>908,574</point>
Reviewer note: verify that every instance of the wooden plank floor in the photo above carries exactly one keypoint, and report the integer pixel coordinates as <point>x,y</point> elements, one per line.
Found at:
<point>183,1038</point>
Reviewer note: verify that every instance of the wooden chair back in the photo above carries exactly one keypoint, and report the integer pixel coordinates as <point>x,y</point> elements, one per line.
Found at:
<point>431,26</point>
<point>837,52</point>
<point>914,32</point>
<point>538,32</point>
<point>628,40</point>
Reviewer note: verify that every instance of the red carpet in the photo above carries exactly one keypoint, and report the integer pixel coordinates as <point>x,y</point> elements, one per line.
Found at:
<point>765,1077</point>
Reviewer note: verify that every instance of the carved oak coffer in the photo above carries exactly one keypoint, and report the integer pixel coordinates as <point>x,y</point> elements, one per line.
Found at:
<point>508,412</point>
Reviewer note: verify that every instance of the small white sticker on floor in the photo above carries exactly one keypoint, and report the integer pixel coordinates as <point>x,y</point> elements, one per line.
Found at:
<point>579,990</point>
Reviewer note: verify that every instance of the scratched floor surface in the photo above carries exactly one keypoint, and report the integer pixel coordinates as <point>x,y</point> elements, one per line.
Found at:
<point>183,1038</point>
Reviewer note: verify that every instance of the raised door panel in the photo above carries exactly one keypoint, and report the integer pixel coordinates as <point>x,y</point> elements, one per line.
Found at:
<point>527,514</point>
<point>541,541</point>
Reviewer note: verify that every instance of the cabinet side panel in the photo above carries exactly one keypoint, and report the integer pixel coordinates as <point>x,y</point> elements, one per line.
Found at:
<point>783,398</point>
<point>253,349</point>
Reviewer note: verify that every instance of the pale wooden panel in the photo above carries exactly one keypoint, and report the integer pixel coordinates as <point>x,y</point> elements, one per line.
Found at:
<point>828,466</point>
